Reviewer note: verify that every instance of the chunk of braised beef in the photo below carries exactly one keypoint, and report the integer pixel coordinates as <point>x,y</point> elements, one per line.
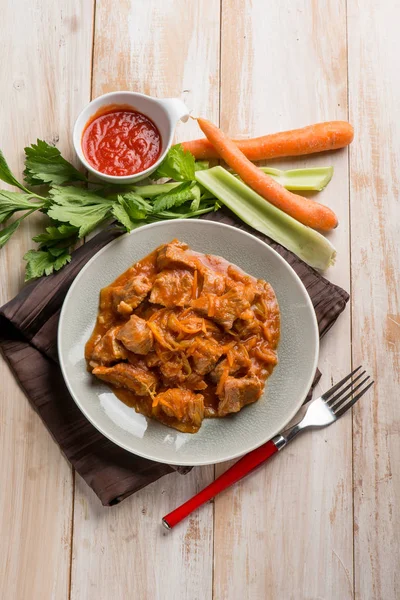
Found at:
<point>238,393</point>
<point>130,295</point>
<point>194,382</point>
<point>205,353</point>
<point>174,371</point>
<point>136,336</point>
<point>172,288</point>
<point>175,256</point>
<point>224,309</point>
<point>184,406</point>
<point>239,362</point>
<point>108,350</point>
<point>136,379</point>
<point>247,290</point>
<point>152,360</point>
<point>213,283</point>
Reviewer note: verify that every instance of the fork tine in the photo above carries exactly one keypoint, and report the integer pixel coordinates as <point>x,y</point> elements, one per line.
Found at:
<point>345,408</point>
<point>347,396</point>
<point>333,389</point>
<point>332,401</point>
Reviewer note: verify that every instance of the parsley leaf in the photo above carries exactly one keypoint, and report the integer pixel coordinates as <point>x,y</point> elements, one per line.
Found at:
<point>53,252</point>
<point>75,211</point>
<point>42,262</point>
<point>86,219</point>
<point>8,231</point>
<point>129,209</point>
<point>77,196</point>
<point>7,176</point>
<point>54,236</point>
<point>179,164</point>
<point>175,197</point>
<point>11,202</point>
<point>122,216</point>
<point>78,207</point>
<point>44,164</point>
<point>56,251</point>
<point>136,202</point>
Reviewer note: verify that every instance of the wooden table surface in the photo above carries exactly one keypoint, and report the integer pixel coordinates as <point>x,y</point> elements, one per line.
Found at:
<point>322,521</point>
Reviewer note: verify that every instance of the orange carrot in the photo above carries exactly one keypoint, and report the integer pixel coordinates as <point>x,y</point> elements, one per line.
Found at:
<point>306,211</point>
<point>314,138</point>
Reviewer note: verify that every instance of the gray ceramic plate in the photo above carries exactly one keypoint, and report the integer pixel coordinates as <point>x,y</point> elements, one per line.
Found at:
<point>218,439</point>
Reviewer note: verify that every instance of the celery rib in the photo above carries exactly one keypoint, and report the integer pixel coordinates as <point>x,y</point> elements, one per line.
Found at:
<point>253,209</point>
<point>312,179</point>
<point>153,190</point>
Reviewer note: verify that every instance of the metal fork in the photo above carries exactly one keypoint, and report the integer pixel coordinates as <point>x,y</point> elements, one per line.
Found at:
<point>320,412</point>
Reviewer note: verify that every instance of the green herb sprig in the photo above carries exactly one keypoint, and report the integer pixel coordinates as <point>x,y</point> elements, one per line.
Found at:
<point>74,211</point>
<point>75,206</point>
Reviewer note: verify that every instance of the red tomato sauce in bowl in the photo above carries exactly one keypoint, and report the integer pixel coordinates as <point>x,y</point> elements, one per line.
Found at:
<point>119,140</point>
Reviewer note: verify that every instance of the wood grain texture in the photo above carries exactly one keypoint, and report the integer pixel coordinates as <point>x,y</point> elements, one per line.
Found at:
<point>164,49</point>
<point>45,79</point>
<point>374,50</point>
<point>286,531</point>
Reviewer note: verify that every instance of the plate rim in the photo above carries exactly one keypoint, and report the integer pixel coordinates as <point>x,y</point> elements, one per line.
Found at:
<point>126,447</point>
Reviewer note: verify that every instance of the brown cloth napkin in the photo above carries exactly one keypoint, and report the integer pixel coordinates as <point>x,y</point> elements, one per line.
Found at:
<point>28,339</point>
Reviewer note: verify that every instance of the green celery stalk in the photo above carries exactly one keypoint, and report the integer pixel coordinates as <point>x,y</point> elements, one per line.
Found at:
<point>150,191</point>
<point>201,165</point>
<point>175,215</point>
<point>253,209</point>
<point>313,179</point>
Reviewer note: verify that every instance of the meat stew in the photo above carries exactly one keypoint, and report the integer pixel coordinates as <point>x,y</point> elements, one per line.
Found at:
<point>182,336</point>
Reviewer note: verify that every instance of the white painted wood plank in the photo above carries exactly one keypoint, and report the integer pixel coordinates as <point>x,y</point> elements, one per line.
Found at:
<point>164,49</point>
<point>124,550</point>
<point>286,531</point>
<point>374,50</point>
<point>44,80</point>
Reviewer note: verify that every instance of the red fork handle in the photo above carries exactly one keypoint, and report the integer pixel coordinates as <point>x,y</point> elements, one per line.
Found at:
<point>239,470</point>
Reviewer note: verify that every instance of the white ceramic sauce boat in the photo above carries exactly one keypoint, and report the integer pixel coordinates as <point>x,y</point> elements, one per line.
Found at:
<point>164,112</point>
